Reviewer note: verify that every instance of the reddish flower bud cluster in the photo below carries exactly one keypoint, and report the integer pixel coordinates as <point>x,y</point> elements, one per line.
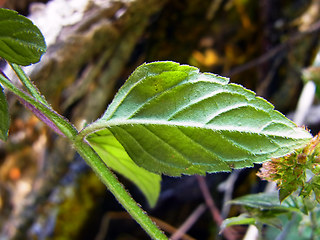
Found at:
<point>289,172</point>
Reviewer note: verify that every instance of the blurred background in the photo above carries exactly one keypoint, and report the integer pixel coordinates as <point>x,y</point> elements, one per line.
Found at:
<point>48,192</point>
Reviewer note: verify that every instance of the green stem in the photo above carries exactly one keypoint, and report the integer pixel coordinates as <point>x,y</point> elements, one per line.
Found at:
<point>33,90</point>
<point>117,189</point>
<point>91,129</point>
<point>93,160</point>
<point>60,122</point>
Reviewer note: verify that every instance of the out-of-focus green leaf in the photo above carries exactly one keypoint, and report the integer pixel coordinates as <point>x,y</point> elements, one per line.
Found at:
<point>171,119</point>
<point>263,208</point>
<point>298,227</point>
<point>21,42</point>
<point>287,190</point>
<point>267,201</point>
<point>242,219</point>
<point>271,221</point>
<point>4,116</point>
<point>246,219</point>
<point>114,155</point>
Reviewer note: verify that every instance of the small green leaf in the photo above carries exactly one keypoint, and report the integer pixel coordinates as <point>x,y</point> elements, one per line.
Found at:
<point>171,119</point>
<point>264,208</point>
<point>242,219</point>
<point>21,42</point>
<point>286,191</point>
<point>317,194</point>
<point>271,221</point>
<point>312,185</point>
<point>245,219</point>
<point>266,201</point>
<point>4,116</point>
<point>114,155</point>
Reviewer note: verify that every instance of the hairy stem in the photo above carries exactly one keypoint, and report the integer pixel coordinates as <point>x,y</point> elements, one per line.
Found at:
<point>117,189</point>
<point>91,157</point>
<point>60,122</point>
<point>26,81</point>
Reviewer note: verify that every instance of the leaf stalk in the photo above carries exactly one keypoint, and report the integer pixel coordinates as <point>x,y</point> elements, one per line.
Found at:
<point>26,81</point>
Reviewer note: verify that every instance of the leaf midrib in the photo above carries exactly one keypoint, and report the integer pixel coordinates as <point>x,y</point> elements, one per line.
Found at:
<point>193,124</point>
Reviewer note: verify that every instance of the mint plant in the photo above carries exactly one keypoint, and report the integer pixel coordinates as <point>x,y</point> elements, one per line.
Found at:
<point>166,119</point>
<point>297,177</point>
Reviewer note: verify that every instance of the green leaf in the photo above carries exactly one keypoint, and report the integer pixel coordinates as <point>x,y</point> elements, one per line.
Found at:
<point>114,155</point>
<point>242,219</point>
<point>313,185</point>
<point>287,190</point>
<point>4,116</point>
<point>245,219</point>
<point>267,201</point>
<point>21,42</point>
<point>171,119</point>
<point>264,208</point>
<point>271,221</point>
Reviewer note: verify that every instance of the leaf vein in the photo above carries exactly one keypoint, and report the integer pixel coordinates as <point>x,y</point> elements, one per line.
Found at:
<point>146,152</point>
<point>224,110</point>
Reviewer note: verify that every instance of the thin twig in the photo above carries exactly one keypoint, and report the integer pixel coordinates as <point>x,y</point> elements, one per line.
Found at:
<point>170,229</point>
<point>189,222</point>
<point>26,81</point>
<point>227,187</point>
<point>228,233</point>
<point>124,215</point>
<point>213,8</point>
<point>209,201</point>
<point>258,61</point>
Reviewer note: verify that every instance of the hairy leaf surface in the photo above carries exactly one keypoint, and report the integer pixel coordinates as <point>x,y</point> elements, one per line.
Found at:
<point>114,155</point>
<point>4,116</point>
<point>21,42</point>
<point>174,120</point>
